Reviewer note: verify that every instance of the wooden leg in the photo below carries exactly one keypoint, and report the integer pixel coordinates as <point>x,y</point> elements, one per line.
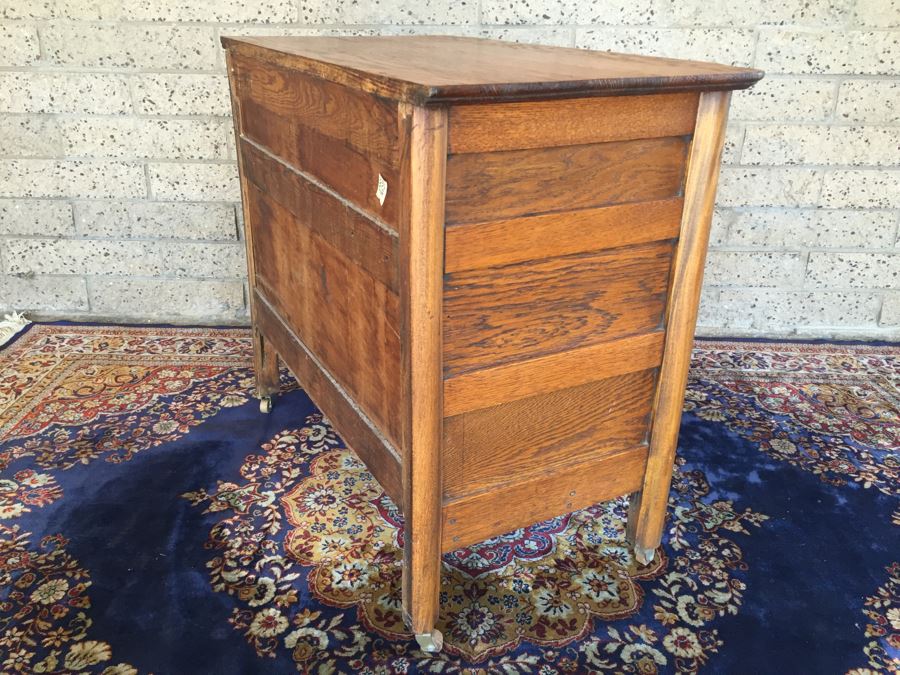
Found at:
<point>422,280</point>
<point>648,508</point>
<point>643,554</point>
<point>265,363</point>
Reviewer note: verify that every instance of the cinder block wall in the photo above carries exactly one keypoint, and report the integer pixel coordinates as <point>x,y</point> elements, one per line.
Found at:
<point>118,185</point>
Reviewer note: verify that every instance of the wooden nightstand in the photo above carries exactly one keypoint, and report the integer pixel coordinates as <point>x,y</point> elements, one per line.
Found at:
<point>482,261</point>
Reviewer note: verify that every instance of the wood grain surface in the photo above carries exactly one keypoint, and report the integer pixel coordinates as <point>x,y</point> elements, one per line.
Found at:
<point>550,235</point>
<point>495,185</point>
<point>349,320</point>
<point>367,242</point>
<point>544,124</point>
<point>647,515</point>
<point>441,69</point>
<point>534,498</point>
<point>513,381</point>
<point>500,315</point>
<point>422,239</point>
<point>487,447</point>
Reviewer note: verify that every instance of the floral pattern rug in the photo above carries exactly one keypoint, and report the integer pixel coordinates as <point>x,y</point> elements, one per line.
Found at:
<point>153,521</point>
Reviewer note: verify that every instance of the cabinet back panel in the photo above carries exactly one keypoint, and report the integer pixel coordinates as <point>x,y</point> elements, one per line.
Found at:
<point>344,316</point>
<point>343,138</point>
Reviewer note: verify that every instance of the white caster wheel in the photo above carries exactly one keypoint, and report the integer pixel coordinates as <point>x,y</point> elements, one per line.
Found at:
<point>265,404</point>
<point>644,556</point>
<point>431,642</point>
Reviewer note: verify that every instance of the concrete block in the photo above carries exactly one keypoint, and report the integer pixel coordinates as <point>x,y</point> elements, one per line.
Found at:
<point>753,268</point>
<point>853,270</point>
<point>867,189</point>
<point>829,51</point>
<point>124,258</point>
<point>808,228</point>
<point>61,178</point>
<point>178,298</point>
<point>130,46</point>
<point>195,182</point>
<point>42,294</point>
<point>48,218</point>
<point>870,101</point>
<point>764,186</point>
<point>181,94</point>
<point>41,92</point>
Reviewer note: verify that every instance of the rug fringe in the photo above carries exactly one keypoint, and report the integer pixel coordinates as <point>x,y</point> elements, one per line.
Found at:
<point>11,324</point>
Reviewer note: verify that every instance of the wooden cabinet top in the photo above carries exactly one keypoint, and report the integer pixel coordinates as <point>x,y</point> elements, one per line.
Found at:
<point>439,69</point>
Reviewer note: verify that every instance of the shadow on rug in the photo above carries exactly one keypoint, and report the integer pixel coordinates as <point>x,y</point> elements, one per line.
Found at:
<point>153,521</point>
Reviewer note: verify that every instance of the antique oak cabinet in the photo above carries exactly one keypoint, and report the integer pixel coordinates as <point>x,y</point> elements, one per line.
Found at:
<point>482,261</point>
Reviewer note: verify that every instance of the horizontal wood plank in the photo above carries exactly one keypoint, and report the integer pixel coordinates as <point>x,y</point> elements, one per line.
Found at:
<point>512,381</point>
<point>342,168</point>
<point>356,430</point>
<point>485,447</point>
<point>496,185</point>
<point>367,243</point>
<point>367,123</point>
<point>345,317</point>
<point>548,494</point>
<point>524,310</point>
<point>542,124</point>
<point>501,242</point>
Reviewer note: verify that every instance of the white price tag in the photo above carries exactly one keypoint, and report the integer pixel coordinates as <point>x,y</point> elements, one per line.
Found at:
<point>381,190</point>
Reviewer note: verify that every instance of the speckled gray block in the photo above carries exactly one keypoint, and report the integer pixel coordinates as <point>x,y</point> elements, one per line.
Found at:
<point>167,298</point>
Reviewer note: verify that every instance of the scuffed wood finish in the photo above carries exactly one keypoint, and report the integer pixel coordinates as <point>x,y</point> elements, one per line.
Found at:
<point>546,494</point>
<point>509,382</point>
<point>482,260</point>
<point>348,229</point>
<point>489,186</point>
<point>543,124</point>
<point>333,135</point>
<point>365,123</point>
<point>525,310</point>
<point>647,515</point>
<point>423,252</point>
<point>357,431</point>
<point>442,69</point>
<point>550,235</point>
<point>357,338</point>
<point>486,447</point>
<point>265,359</point>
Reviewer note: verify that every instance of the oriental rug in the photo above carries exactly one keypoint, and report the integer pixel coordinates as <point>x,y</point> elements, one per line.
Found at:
<point>152,520</point>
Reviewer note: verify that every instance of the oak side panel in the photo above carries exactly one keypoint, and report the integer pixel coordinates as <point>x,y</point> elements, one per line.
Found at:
<point>541,124</point>
<point>550,235</point>
<point>486,447</point>
<point>422,246</point>
<point>355,429</point>
<point>348,229</point>
<point>348,319</point>
<point>500,315</point>
<point>513,381</point>
<point>545,495</point>
<point>647,514</point>
<point>496,185</point>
